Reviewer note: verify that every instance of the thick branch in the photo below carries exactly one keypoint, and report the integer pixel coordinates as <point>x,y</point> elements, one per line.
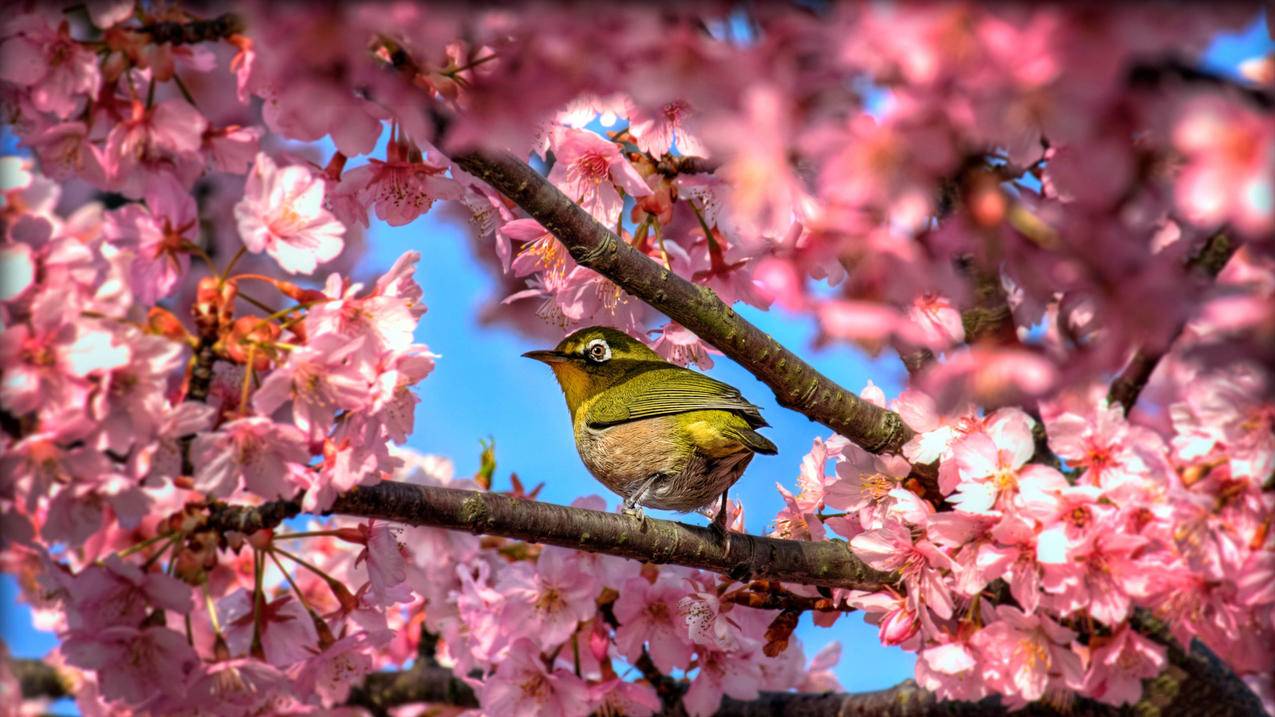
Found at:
<point>422,683</point>
<point>741,557</point>
<point>38,680</point>
<point>1204,266</point>
<point>797,385</point>
<point>194,31</point>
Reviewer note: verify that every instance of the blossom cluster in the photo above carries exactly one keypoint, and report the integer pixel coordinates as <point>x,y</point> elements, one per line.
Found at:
<point>1014,198</point>
<point>1025,581</point>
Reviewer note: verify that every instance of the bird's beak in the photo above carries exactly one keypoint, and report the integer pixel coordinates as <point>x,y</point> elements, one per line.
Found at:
<point>549,357</point>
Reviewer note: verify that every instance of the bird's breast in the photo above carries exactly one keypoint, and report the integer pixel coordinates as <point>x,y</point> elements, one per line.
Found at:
<point>624,455</point>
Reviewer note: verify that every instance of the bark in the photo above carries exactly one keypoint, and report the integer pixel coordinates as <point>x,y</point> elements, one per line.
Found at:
<point>797,385</point>
<point>739,556</point>
<point>194,31</point>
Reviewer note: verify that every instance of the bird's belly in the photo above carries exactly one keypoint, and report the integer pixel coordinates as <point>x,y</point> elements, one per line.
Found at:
<point>624,456</point>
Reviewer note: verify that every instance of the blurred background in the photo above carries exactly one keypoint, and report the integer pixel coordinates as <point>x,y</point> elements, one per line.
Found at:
<point>482,389</point>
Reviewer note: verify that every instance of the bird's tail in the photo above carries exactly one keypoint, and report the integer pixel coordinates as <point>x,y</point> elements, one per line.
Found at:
<point>755,441</point>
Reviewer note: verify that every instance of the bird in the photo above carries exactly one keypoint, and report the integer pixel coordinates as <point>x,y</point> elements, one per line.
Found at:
<point>656,434</point>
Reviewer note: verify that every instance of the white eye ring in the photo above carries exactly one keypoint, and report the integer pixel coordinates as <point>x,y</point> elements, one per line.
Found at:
<point>598,351</point>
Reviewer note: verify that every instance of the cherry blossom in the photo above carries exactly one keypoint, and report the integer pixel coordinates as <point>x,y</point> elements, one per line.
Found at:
<point>282,214</point>
<point>588,169</point>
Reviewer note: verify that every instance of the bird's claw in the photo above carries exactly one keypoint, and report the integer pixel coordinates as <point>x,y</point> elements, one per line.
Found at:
<point>635,511</point>
<point>720,532</point>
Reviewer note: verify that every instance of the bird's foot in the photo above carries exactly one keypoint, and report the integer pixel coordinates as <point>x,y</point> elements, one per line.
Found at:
<point>720,522</point>
<point>633,510</point>
<point>720,534</point>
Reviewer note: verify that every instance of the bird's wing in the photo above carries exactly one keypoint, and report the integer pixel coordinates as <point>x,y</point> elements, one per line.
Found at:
<point>665,390</point>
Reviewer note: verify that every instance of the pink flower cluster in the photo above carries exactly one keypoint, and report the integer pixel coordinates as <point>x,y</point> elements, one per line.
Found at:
<point>1025,581</point>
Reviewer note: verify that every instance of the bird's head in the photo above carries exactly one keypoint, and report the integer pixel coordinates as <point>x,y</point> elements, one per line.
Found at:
<point>593,359</point>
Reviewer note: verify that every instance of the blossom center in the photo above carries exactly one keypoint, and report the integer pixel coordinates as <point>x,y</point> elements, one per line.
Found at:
<point>535,687</point>
<point>592,166</point>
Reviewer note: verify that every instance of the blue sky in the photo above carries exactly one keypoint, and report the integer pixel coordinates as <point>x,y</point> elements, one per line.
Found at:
<point>482,388</point>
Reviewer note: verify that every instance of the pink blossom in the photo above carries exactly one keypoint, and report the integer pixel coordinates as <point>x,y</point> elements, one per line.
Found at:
<point>588,168</point>
<point>680,346</point>
<point>921,563</point>
<point>546,603</point>
<point>337,668</point>
<point>1116,455</point>
<point>989,375</point>
<point>158,236</point>
<point>522,685</point>
<point>387,322</point>
<point>129,400</point>
<point>161,459</point>
<point>239,686</point>
<point>992,466</point>
<point>404,186</point>
<point>77,511</point>
<point>721,673</point>
<point>1101,576</point>
<point>284,628</point>
<point>282,214</point>
<point>386,563</point>
<point>65,151</point>
<point>648,613</point>
<point>1027,655</point>
<point>871,486</point>
<point>232,149</point>
<point>58,71</point>
<point>1119,665</point>
<point>136,665</point>
<point>47,361</point>
<point>938,320</point>
<point>659,132</point>
<point>710,623</point>
<point>119,593</point>
<point>1228,175</point>
<point>1228,409</point>
<point>319,379</point>
<point>155,145</point>
<point>951,671</point>
<point>539,251</point>
<point>253,453</point>
<point>819,675</point>
<point>619,697</point>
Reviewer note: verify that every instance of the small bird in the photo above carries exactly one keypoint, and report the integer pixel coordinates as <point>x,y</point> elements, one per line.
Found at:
<point>656,434</point>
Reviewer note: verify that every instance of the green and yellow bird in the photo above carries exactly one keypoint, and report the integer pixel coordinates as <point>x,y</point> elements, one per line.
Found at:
<point>656,434</point>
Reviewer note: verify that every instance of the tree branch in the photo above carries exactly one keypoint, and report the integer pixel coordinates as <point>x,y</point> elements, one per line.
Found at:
<point>39,680</point>
<point>194,31</point>
<point>741,557</point>
<point>797,385</point>
<point>1203,267</point>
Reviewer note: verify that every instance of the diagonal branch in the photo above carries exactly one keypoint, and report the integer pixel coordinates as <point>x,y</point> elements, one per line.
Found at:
<point>797,385</point>
<point>1203,267</point>
<point>742,557</point>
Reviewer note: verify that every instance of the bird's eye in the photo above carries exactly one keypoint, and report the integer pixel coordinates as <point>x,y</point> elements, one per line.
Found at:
<point>598,351</point>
